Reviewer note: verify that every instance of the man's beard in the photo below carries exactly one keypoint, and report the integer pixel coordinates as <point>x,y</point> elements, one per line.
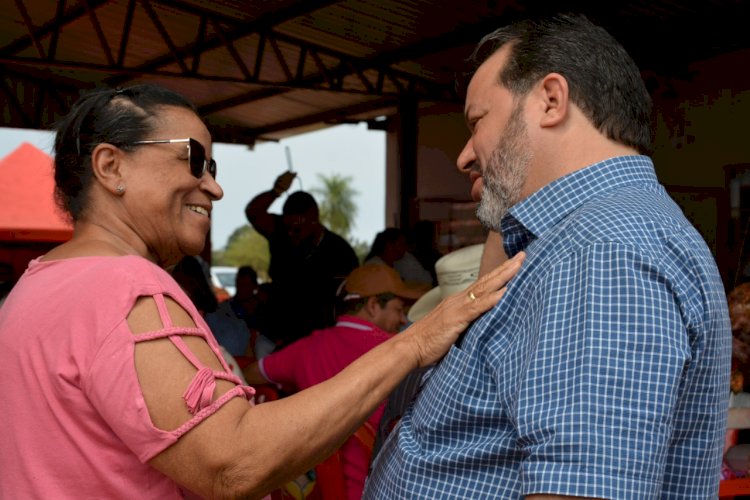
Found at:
<point>506,172</point>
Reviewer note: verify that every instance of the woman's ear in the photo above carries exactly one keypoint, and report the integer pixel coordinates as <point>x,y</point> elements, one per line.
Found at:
<point>554,90</point>
<point>106,164</point>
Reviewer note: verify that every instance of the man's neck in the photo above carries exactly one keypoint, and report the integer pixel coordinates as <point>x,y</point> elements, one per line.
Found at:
<point>568,155</point>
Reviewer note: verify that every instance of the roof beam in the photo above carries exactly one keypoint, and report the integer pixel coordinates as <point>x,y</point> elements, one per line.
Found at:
<point>14,103</point>
<point>244,29</point>
<point>30,28</point>
<point>126,26</point>
<point>176,55</point>
<point>99,33</point>
<point>268,88</point>
<point>244,135</point>
<point>328,116</point>
<point>49,28</point>
<point>327,79</point>
<point>52,52</point>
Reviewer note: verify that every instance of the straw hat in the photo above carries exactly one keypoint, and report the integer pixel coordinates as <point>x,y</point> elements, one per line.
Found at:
<point>455,272</point>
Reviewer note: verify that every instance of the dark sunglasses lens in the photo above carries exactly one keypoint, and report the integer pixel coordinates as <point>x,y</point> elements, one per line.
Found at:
<point>197,158</point>
<point>212,168</point>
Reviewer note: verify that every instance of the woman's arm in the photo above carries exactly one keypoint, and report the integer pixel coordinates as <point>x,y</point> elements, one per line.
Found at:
<point>243,450</point>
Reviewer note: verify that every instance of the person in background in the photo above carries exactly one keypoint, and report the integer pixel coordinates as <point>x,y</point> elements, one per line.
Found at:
<point>236,322</point>
<point>735,461</point>
<point>422,242</point>
<point>603,372</point>
<point>738,302</point>
<point>107,361</point>
<point>188,273</point>
<point>390,248</point>
<point>371,310</point>
<point>308,262</point>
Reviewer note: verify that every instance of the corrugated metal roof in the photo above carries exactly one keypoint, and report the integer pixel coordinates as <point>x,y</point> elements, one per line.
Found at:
<point>266,69</point>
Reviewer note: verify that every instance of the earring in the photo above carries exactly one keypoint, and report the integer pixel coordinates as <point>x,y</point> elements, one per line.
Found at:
<point>120,189</point>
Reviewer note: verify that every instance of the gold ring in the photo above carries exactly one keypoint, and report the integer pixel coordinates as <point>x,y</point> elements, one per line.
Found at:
<point>472,297</point>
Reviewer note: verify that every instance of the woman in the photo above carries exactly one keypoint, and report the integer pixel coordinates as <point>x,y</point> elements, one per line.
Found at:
<point>113,385</point>
<point>390,248</point>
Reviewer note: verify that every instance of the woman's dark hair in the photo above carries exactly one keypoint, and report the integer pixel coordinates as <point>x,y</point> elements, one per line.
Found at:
<point>603,79</point>
<point>115,116</point>
<point>387,235</point>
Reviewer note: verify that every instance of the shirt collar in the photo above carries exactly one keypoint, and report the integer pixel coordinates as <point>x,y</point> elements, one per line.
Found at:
<point>355,322</point>
<point>545,208</point>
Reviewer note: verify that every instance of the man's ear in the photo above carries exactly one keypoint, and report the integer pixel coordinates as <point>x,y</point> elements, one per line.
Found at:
<point>372,306</point>
<point>106,163</point>
<point>554,93</point>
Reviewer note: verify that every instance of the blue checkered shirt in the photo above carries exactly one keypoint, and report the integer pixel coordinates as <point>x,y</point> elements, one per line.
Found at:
<point>604,370</point>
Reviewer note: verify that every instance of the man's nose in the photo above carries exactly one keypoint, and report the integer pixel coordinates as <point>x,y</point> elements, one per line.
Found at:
<point>466,158</point>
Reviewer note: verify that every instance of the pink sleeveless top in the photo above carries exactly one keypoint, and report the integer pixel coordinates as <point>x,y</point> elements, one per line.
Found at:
<point>74,423</point>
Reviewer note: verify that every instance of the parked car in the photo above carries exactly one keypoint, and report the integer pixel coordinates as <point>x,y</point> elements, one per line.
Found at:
<point>224,277</point>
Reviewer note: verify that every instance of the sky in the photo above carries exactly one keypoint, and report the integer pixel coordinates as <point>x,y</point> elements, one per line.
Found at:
<point>348,150</point>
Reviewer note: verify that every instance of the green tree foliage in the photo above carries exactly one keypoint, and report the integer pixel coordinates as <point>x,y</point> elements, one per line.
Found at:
<point>336,202</point>
<point>245,247</point>
<point>361,248</point>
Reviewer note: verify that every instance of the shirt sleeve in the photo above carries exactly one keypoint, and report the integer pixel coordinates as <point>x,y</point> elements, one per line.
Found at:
<point>595,412</point>
<point>111,385</point>
<point>281,367</point>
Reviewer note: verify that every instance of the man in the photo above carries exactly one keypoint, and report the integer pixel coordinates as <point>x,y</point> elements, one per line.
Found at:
<point>372,310</point>
<point>308,262</point>
<point>455,272</point>
<point>603,371</point>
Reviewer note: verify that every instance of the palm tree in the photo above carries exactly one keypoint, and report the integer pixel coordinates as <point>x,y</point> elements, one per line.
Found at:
<point>245,246</point>
<point>336,202</point>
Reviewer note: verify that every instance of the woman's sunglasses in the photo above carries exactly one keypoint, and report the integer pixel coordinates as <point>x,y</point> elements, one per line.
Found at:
<point>196,156</point>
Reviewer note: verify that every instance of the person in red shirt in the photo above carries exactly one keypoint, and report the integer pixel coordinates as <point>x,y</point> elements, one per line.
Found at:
<point>372,302</point>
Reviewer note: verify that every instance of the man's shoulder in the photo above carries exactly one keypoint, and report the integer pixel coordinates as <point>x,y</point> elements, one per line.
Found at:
<point>332,239</point>
<point>629,213</point>
<point>335,248</point>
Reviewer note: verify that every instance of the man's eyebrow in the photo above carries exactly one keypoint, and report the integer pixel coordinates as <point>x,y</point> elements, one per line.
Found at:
<point>472,112</point>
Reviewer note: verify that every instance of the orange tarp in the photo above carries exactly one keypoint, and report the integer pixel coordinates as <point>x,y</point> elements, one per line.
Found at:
<point>27,206</point>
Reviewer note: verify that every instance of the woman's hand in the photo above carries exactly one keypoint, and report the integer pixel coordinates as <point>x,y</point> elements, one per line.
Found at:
<point>433,335</point>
